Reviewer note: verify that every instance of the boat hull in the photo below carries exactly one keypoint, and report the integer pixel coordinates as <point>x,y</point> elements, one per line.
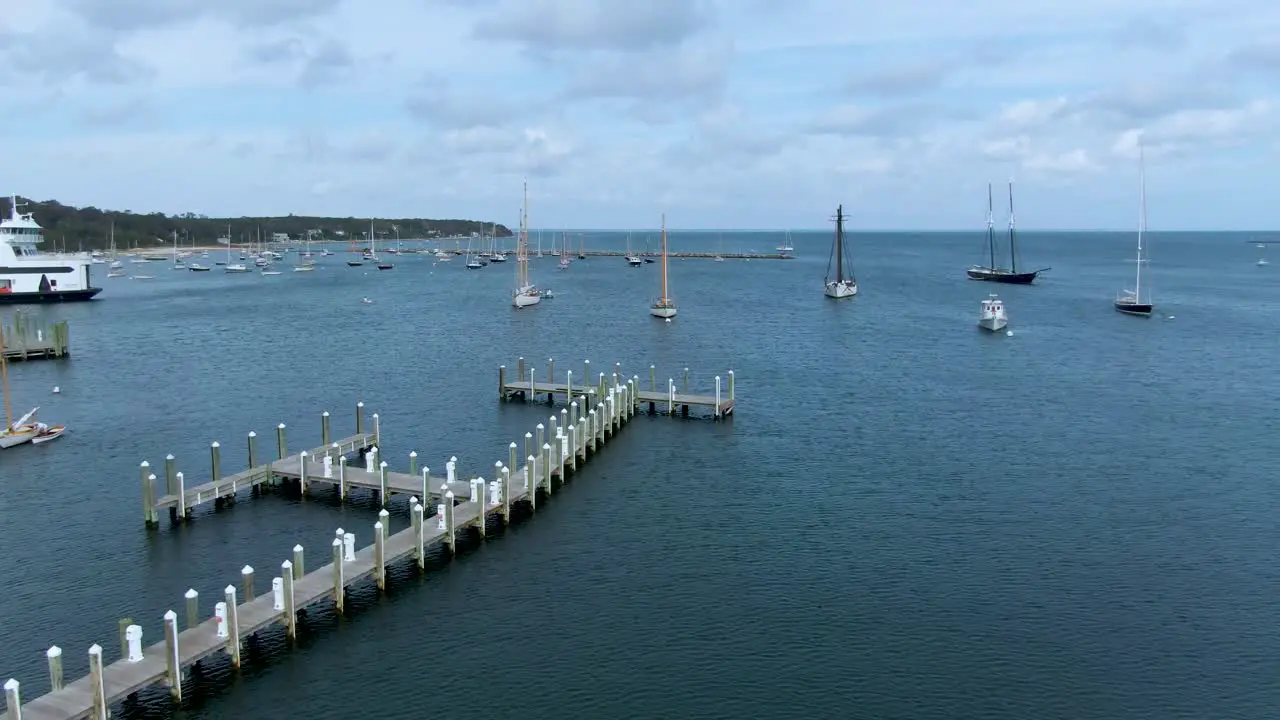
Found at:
<point>1002,276</point>
<point>12,439</point>
<point>1134,308</point>
<point>840,290</point>
<point>522,301</point>
<point>993,324</point>
<point>662,312</point>
<point>48,296</point>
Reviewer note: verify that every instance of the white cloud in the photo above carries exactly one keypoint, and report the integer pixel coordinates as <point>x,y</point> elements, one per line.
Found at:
<point>726,112</point>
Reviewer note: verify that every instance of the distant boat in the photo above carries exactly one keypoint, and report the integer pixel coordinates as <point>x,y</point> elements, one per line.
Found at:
<point>785,248</point>
<point>1261,262</point>
<point>235,268</point>
<point>142,277</point>
<point>993,317</point>
<point>526,293</point>
<point>304,268</point>
<point>1130,302</point>
<point>384,265</point>
<point>268,271</point>
<point>197,267</point>
<point>355,263</point>
<point>46,433</point>
<point>664,307</point>
<point>840,285</point>
<point>991,272</point>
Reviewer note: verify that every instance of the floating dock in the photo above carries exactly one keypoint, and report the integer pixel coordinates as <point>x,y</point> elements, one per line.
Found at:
<point>26,340</point>
<point>669,400</point>
<point>552,454</point>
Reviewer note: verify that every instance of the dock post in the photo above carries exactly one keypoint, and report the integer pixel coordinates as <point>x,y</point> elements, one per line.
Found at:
<point>546,466</point>
<point>338,583</point>
<point>290,612</point>
<point>426,484</point>
<point>552,428</point>
<point>478,486</point>
<point>671,397</point>
<point>342,477</point>
<point>172,662</point>
<point>54,655</point>
<point>133,639</point>
<point>573,413</point>
<point>551,370</point>
<point>717,412</point>
<point>171,484</point>
<point>193,608</point>
<point>511,458</point>
<point>582,436</point>
<point>124,636</point>
<point>281,446</point>
<point>541,439</point>
<point>653,385</point>
<point>382,482</point>
<point>13,699</point>
<point>253,449</point>
<point>502,382</point>
<point>686,381</point>
<point>449,537</point>
<point>215,462</point>
<point>506,495</point>
<point>99,708</point>
<point>384,517</point>
<point>377,430</point>
<point>528,443</point>
<point>564,419</point>
<point>419,554</point>
<point>246,580</point>
<point>297,563</point>
<point>360,418</point>
<point>413,462</point>
<point>324,428</point>
<point>568,384</point>
<point>730,386</point>
<point>277,593</point>
<point>302,472</point>
<point>533,386</point>
<point>519,370</point>
<point>150,516</point>
<point>450,471</point>
<point>586,375</point>
<point>591,425</point>
<point>233,625</point>
<point>379,555</point>
<point>182,495</point>
<point>600,386</point>
<point>531,480</point>
<point>573,449</point>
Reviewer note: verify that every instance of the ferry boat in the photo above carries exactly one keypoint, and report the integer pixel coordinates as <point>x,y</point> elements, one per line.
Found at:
<point>29,276</point>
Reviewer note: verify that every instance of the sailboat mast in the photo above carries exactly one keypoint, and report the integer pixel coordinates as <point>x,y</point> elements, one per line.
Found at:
<point>1013,240</point>
<point>991,230</point>
<point>4,379</point>
<point>664,257</point>
<point>1142,219</point>
<point>839,243</point>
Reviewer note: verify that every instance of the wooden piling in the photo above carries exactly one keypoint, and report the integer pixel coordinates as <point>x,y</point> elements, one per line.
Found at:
<point>546,466</point>
<point>511,457</point>
<point>339,583</point>
<point>246,580</point>
<point>520,369</point>
<point>253,449</point>
<point>124,636</point>
<point>13,699</point>
<point>281,445</point>
<point>233,624</point>
<point>419,546</point>
<point>99,706</point>
<point>324,428</point>
<point>531,481</point>
<point>171,484</point>
<point>193,608</point>
<point>502,382</point>
<point>298,565</point>
<point>215,461</point>
<point>450,531</point>
<point>172,656</point>
<point>150,516</point>
<point>413,462</point>
<point>290,611</point>
<point>506,495</point>
<point>54,656</point>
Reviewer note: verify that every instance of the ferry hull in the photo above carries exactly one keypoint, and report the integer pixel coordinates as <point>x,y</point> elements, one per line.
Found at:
<point>49,296</point>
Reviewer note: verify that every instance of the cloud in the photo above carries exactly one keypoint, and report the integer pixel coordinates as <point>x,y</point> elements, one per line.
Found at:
<point>130,15</point>
<point>571,25</point>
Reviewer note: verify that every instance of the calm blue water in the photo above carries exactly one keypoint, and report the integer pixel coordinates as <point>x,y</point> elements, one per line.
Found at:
<point>906,519</point>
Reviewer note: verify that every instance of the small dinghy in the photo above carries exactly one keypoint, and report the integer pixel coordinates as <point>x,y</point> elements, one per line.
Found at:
<point>47,433</point>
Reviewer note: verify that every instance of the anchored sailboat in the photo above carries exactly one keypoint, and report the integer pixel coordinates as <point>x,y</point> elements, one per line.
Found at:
<point>525,294</point>
<point>664,307</point>
<point>1130,302</point>
<point>991,272</point>
<point>839,286</point>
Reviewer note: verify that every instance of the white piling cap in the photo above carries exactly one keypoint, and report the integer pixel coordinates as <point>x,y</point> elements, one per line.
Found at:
<point>246,570</point>
<point>169,456</point>
<point>95,649</point>
<point>337,542</point>
<point>360,404</point>
<point>340,532</point>
<point>179,474</point>
<point>55,651</point>
<point>303,453</point>
<point>286,565</point>
<point>214,444</point>
<point>413,453</point>
<point>512,445</point>
<point>540,427</point>
<point>454,458</point>
<point>334,445</point>
<point>191,594</point>
<point>384,513</point>
<point>325,413</point>
<point>532,459</point>
<point>230,590</point>
<point>168,615</point>
<point>152,476</point>
<point>377,525</point>
<point>373,448</point>
<point>342,459</point>
<point>528,435</point>
<point>147,464</point>
<point>382,464</point>
<point>280,426</point>
<point>297,548</point>
<point>11,685</point>
<point>253,434</point>
<point>498,464</point>
<point>375,415</point>
<point>573,404</point>
<point>413,499</point>
<point>546,446</point>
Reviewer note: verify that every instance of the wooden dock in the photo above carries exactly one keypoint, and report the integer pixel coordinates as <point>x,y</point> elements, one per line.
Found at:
<point>566,441</point>
<point>669,400</point>
<point>646,254</point>
<point>27,340</point>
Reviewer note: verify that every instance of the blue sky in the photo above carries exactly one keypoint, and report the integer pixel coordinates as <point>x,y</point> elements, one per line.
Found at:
<point>720,113</point>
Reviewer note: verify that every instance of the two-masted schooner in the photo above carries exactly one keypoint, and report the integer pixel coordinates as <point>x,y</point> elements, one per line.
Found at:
<point>841,284</point>
<point>526,293</point>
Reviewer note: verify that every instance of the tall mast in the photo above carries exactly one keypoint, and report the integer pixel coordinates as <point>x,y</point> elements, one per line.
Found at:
<point>991,230</point>
<point>839,243</point>
<point>1013,252</point>
<point>1142,218</point>
<point>4,378</point>
<point>664,257</point>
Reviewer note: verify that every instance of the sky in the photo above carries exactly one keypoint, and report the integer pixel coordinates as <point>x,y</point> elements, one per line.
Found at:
<point>716,113</point>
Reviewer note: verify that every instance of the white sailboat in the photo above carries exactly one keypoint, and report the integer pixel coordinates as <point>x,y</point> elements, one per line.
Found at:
<point>526,293</point>
<point>839,286</point>
<point>664,307</point>
<point>993,317</point>
<point>1130,302</point>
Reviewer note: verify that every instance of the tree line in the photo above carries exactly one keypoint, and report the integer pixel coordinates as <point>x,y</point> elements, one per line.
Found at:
<point>92,228</point>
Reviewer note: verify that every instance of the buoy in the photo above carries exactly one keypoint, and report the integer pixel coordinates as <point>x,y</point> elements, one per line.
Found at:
<point>56,389</point>
<point>1008,333</point>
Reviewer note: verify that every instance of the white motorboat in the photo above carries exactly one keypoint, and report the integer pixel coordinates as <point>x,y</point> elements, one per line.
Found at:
<point>993,317</point>
<point>30,276</point>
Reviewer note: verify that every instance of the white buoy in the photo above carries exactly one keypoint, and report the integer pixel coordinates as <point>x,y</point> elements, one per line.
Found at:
<point>1008,333</point>
<point>56,389</point>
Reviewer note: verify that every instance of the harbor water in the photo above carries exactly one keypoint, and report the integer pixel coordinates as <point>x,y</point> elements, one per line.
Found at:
<point>906,518</point>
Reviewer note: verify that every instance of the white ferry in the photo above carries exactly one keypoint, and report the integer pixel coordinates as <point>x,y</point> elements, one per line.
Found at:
<point>28,276</point>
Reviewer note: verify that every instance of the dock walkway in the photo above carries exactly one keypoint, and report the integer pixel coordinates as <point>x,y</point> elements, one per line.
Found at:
<point>553,452</point>
<point>667,401</point>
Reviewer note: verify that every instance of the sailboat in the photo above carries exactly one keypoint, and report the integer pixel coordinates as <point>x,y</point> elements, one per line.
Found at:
<point>526,293</point>
<point>786,248</point>
<point>632,259</point>
<point>473,263</point>
<point>664,307</point>
<point>23,430</point>
<point>564,251</point>
<point>1130,302</point>
<point>373,251</point>
<point>990,272</point>
<point>839,286</point>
